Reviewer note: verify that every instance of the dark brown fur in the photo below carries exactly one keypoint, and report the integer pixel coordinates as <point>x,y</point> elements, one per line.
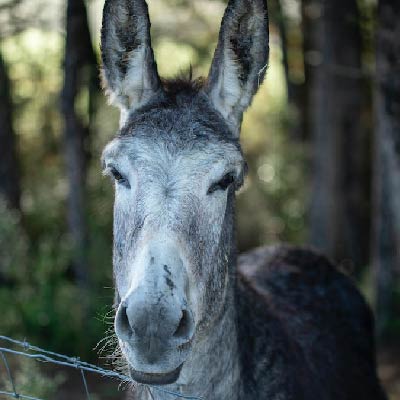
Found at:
<point>304,324</point>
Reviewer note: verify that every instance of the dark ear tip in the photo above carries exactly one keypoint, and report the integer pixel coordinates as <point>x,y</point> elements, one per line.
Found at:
<point>260,6</point>
<point>236,9</point>
<point>248,5</point>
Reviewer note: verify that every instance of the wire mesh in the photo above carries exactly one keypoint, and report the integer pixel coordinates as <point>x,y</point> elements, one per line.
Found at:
<point>39,354</point>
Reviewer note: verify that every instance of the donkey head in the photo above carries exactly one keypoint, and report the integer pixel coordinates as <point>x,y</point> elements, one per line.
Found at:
<point>176,162</point>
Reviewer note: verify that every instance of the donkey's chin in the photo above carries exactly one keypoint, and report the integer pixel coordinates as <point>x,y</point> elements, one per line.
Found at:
<point>164,370</point>
<point>164,378</point>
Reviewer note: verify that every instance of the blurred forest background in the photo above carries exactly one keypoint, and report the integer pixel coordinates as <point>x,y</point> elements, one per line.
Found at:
<point>322,140</point>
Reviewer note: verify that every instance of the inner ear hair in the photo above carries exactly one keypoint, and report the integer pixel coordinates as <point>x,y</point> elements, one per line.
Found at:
<point>240,60</point>
<point>129,71</point>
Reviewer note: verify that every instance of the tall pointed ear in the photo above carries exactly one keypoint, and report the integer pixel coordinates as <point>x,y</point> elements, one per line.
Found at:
<point>240,60</point>
<point>129,71</point>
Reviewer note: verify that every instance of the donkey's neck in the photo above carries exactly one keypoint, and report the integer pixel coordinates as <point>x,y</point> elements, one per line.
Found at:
<point>213,371</point>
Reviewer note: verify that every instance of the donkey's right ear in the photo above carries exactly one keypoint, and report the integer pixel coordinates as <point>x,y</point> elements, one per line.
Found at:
<point>129,71</point>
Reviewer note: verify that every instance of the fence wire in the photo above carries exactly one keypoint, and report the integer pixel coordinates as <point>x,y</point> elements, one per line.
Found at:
<point>38,354</point>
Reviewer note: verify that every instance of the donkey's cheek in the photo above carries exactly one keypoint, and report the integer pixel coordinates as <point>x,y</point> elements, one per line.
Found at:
<point>216,213</point>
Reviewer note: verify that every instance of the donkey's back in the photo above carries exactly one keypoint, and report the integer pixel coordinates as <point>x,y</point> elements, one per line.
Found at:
<point>305,330</point>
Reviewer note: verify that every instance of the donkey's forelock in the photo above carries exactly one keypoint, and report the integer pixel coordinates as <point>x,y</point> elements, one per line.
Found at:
<point>182,112</point>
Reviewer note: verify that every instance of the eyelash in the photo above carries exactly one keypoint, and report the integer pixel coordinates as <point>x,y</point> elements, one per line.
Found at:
<point>222,184</point>
<point>119,178</point>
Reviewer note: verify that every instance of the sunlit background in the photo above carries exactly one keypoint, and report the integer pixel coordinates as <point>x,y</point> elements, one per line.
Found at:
<point>40,296</point>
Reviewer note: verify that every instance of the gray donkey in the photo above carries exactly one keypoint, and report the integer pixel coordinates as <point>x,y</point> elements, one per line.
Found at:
<point>285,324</point>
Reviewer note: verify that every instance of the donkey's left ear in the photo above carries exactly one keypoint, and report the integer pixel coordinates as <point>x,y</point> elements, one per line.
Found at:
<point>240,60</point>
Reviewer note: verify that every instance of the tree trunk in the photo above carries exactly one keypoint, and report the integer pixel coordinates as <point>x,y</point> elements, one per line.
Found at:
<point>276,12</point>
<point>79,69</point>
<point>340,198</point>
<point>304,105</point>
<point>9,171</point>
<point>386,243</point>
<point>297,92</point>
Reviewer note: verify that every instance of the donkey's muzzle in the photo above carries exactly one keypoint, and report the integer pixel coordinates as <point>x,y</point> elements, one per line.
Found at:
<point>154,337</point>
<point>154,321</point>
<point>153,327</point>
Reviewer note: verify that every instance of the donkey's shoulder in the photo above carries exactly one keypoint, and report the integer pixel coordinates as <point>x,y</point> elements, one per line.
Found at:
<point>300,279</point>
<point>303,290</point>
<point>298,299</point>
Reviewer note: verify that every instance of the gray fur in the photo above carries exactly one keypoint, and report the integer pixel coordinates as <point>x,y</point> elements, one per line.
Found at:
<point>129,71</point>
<point>291,326</point>
<point>240,60</point>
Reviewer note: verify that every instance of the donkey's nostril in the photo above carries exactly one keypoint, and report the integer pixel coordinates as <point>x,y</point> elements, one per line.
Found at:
<point>123,328</point>
<point>184,327</point>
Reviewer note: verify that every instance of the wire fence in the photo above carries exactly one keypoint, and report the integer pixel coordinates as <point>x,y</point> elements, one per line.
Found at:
<point>38,354</point>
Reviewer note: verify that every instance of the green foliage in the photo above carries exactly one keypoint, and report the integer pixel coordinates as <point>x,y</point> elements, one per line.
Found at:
<point>13,243</point>
<point>44,303</point>
<point>46,306</point>
<point>30,379</point>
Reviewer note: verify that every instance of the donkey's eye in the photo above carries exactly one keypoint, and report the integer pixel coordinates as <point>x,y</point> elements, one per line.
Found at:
<point>119,177</point>
<point>222,184</point>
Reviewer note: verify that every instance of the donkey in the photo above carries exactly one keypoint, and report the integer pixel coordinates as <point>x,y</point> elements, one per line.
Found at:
<point>285,324</point>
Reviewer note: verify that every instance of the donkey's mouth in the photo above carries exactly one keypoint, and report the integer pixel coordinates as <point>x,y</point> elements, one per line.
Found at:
<point>156,378</point>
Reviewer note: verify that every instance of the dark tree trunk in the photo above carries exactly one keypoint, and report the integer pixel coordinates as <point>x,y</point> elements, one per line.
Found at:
<point>340,200</point>
<point>307,18</point>
<point>297,92</point>
<point>277,14</point>
<point>386,243</point>
<point>80,68</point>
<point>9,171</point>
